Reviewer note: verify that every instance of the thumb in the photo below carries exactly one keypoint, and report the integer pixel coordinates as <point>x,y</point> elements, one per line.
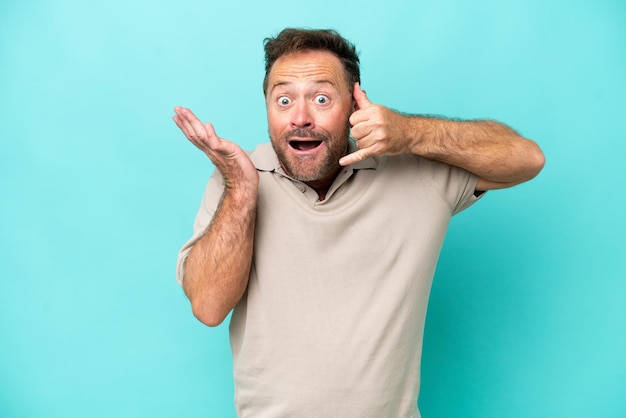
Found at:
<point>210,130</point>
<point>360,98</point>
<point>220,145</point>
<point>212,137</point>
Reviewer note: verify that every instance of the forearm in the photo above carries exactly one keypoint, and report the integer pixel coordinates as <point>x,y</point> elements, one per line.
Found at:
<point>218,265</point>
<point>491,150</point>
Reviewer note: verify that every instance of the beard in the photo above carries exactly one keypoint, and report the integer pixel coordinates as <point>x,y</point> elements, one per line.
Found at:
<point>315,167</point>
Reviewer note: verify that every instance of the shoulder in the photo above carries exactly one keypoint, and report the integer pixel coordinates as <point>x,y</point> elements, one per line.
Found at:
<point>264,157</point>
<point>453,184</point>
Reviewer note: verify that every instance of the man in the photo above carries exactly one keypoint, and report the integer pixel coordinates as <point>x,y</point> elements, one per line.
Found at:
<point>325,247</point>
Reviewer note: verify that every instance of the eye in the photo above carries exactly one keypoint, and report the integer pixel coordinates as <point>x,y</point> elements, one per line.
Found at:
<point>284,101</point>
<point>321,99</point>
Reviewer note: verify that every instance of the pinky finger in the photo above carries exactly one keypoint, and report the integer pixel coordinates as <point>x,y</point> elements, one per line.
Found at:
<point>355,157</point>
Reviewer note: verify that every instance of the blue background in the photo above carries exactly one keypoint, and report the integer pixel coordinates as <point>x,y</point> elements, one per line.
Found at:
<point>99,189</point>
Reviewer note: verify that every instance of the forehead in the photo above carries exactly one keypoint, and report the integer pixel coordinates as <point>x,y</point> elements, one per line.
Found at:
<point>307,66</point>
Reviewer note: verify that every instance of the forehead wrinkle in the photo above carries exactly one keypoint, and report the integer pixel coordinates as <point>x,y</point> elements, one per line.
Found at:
<point>307,66</point>
<point>315,83</point>
<point>293,74</point>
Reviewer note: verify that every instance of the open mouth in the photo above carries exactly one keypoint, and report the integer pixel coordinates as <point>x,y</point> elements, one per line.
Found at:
<point>304,145</point>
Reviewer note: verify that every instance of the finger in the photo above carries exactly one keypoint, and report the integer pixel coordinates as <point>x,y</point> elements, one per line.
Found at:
<point>178,117</point>
<point>354,157</point>
<point>184,126</point>
<point>184,115</point>
<point>213,139</point>
<point>182,119</point>
<point>218,145</point>
<point>360,131</point>
<point>360,97</point>
<point>192,127</point>
<point>177,120</point>
<point>196,124</point>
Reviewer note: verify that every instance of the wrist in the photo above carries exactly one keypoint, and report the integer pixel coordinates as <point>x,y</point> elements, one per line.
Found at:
<point>242,194</point>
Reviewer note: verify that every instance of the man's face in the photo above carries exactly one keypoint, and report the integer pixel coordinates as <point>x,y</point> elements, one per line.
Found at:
<point>308,105</point>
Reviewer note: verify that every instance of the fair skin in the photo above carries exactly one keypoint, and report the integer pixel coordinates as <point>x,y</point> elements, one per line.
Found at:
<point>494,152</point>
<point>218,265</point>
<point>308,105</point>
<point>309,111</point>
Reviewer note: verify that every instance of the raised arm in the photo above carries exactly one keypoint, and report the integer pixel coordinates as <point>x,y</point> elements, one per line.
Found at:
<point>494,152</point>
<point>218,265</point>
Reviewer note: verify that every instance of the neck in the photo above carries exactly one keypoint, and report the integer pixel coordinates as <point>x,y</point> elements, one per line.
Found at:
<point>321,186</point>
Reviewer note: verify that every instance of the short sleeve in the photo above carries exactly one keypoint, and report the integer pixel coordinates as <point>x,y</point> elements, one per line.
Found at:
<point>456,185</point>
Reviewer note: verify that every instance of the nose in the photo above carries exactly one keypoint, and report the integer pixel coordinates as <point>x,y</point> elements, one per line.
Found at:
<point>302,116</point>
